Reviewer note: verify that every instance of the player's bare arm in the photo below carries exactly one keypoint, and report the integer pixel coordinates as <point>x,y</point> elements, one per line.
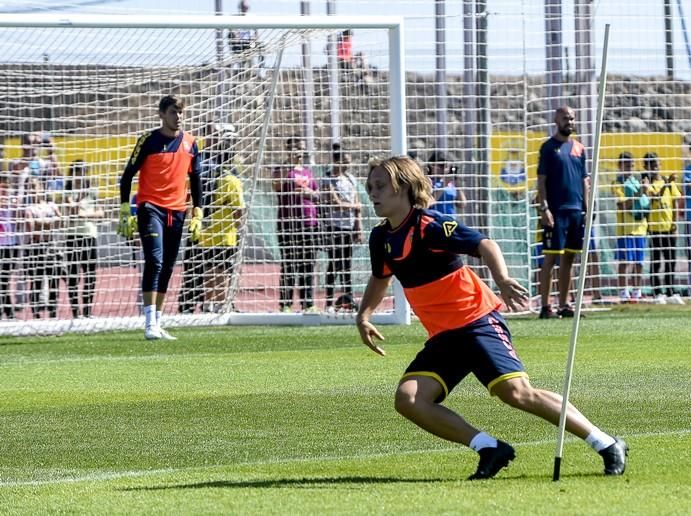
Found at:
<point>374,293</point>
<point>512,293</point>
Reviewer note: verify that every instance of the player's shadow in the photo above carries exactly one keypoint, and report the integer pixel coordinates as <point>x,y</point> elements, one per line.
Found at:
<point>307,482</point>
<point>542,476</point>
<point>324,482</point>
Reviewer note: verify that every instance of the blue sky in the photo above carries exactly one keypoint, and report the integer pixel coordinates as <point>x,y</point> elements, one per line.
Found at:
<point>636,45</point>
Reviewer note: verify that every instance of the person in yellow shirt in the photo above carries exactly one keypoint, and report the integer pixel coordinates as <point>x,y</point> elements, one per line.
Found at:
<point>219,238</point>
<point>662,228</point>
<point>632,226</point>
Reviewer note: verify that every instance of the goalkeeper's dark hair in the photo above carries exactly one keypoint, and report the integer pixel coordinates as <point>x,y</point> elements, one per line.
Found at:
<point>171,100</point>
<point>403,170</point>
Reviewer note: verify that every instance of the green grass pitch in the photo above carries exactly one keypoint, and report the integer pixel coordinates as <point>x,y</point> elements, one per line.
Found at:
<point>241,420</point>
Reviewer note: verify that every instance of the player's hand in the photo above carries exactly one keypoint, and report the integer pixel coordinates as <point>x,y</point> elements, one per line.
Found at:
<point>367,333</point>
<point>195,227</point>
<point>127,223</point>
<point>546,219</point>
<point>513,294</point>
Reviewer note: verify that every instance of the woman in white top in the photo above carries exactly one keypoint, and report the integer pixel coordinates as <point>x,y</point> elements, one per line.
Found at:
<point>82,232</point>
<point>42,222</point>
<point>343,227</point>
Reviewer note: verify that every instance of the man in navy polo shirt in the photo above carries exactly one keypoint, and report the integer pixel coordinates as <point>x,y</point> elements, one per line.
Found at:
<point>563,184</point>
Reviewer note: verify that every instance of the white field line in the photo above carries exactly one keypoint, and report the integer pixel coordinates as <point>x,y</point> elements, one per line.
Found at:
<point>117,475</point>
<point>107,358</point>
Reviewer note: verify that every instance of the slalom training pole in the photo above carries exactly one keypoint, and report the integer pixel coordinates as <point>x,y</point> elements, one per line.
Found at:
<point>584,258</point>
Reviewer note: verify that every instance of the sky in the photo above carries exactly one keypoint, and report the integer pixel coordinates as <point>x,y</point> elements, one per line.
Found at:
<point>636,42</point>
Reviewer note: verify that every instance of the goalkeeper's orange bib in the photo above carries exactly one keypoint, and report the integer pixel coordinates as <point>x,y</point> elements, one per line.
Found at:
<point>163,176</point>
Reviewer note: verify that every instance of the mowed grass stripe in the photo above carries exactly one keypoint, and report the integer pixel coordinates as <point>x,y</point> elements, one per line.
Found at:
<point>116,475</point>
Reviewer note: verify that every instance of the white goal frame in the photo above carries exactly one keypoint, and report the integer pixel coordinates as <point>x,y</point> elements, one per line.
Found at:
<point>394,25</point>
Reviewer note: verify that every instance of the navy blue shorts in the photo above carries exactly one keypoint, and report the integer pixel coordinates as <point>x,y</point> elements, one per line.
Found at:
<point>483,348</point>
<point>567,233</point>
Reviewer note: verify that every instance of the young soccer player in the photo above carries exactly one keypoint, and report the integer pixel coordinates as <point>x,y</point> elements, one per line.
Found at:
<point>165,158</point>
<point>467,334</point>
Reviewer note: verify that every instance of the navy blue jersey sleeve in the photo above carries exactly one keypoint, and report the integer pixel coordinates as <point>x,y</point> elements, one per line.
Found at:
<point>195,177</point>
<point>377,253</point>
<point>196,167</point>
<point>140,152</point>
<point>133,165</point>
<point>443,233</point>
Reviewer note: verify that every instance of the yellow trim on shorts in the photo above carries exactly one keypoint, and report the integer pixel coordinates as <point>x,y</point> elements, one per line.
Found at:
<point>507,376</point>
<point>429,374</point>
<point>548,251</point>
<point>573,251</point>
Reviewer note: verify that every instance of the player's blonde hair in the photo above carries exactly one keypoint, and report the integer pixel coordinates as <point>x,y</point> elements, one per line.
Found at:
<point>404,170</point>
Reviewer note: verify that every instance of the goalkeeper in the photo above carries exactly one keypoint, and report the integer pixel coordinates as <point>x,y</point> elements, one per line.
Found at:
<point>165,158</point>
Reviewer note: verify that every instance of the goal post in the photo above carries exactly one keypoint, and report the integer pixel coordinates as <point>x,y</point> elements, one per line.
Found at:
<point>87,86</point>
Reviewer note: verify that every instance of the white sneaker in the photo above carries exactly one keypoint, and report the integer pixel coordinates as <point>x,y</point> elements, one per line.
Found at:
<point>636,294</point>
<point>675,299</point>
<point>661,299</point>
<point>165,335</point>
<point>330,310</point>
<point>624,295</point>
<point>152,333</point>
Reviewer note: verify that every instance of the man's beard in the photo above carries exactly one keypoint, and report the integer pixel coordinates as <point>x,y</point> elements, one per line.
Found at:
<point>565,131</point>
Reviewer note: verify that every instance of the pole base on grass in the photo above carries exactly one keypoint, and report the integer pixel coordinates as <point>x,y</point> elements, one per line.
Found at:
<point>557,469</point>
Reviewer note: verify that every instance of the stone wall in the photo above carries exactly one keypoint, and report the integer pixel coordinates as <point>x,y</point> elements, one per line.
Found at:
<point>122,100</point>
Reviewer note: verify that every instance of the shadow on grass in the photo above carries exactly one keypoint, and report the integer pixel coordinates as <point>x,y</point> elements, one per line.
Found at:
<point>291,482</point>
<point>540,476</point>
<point>325,482</point>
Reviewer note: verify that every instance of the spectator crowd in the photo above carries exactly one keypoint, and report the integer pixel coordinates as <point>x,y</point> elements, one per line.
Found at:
<point>50,225</point>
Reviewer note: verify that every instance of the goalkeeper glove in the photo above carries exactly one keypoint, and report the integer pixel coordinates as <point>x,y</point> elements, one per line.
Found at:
<point>127,223</point>
<point>195,227</point>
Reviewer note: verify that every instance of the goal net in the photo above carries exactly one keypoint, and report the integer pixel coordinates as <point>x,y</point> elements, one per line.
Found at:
<point>268,100</point>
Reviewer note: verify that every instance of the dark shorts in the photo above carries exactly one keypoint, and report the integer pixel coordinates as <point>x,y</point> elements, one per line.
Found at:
<point>567,233</point>
<point>483,348</point>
